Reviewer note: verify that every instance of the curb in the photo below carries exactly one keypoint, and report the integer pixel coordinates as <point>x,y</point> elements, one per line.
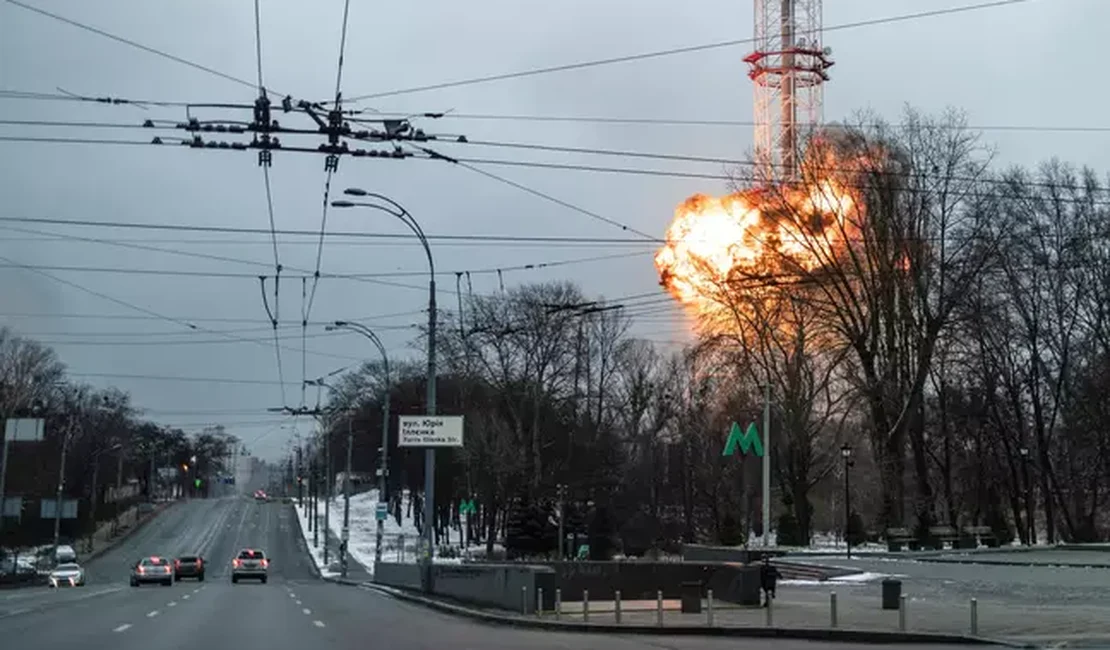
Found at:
<point>301,537</point>
<point>89,557</point>
<point>815,634</point>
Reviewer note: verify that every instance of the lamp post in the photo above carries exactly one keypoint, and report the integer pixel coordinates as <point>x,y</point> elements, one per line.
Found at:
<point>93,500</point>
<point>1029,529</point>
<point>383,469</point>
<point>395,209</point>
<point>846,454</point>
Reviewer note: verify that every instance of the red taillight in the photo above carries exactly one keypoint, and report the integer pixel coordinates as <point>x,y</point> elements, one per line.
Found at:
<point>200,563</point>
<point>167,569</point>
<point>265,563</point>
<point>235,562</point>
<point>141,570</point>
<point>177,563</point>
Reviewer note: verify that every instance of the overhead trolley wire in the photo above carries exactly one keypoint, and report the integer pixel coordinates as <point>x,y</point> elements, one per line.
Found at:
<point>674,51</point>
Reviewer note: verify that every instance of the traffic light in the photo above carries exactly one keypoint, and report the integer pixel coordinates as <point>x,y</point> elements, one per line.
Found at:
<point>196,483</point>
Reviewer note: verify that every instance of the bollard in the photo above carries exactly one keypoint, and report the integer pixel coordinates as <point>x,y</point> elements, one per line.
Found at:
<point>523,601</point>
<point>585,605</point>
<point>709,607</point>
<point>902,613</point>
<point>617,605</point>
<point>832,609</point>
<point>659,608</point>
<point>558,604</point>
<point>539,602</point>
<point>770,611</point>
<point>974,617</point>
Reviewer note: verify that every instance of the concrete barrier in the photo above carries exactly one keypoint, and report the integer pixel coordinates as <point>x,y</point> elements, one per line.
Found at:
<point>730,582</point>
<point>505,586</point>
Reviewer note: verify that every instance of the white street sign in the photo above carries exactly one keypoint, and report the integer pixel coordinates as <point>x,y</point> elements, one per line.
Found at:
<point>23,429</point>
<point>430,431</point>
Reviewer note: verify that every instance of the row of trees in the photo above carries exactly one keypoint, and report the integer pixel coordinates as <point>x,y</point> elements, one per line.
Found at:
<point>952,333</point>
<point>104,437</point>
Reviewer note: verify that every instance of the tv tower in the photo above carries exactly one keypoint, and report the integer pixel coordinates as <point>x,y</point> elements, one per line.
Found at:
<point>789,66</point>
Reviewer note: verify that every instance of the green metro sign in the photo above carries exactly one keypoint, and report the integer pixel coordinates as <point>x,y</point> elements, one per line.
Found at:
<point>747,440</point>
<point>467,507</point>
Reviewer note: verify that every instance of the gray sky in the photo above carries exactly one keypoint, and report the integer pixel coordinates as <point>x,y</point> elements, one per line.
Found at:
<point>1011,65</point>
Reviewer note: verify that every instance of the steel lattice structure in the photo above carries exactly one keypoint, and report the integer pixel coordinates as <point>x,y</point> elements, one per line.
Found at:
<point>789,66</point>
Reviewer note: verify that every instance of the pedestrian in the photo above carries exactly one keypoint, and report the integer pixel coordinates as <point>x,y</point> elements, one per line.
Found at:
<point>768,576</point>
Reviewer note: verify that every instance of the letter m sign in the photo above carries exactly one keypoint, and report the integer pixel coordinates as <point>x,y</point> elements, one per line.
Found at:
<point>747,440</point>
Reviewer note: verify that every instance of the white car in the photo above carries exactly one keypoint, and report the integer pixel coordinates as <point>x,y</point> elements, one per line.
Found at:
<point>67,575</point>
<point>64,554</point>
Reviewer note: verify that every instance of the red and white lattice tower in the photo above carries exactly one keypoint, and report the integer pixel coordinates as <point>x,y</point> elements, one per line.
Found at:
<point>789,66</point>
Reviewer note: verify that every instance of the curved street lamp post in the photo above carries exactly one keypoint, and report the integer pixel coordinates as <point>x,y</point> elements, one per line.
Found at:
<point>383,469</point>
<point>395,209</point>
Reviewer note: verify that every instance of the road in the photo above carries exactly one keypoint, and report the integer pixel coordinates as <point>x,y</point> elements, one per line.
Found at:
<point>295,610</point>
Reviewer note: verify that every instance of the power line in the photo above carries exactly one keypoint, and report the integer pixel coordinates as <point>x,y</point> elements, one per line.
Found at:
<point>553,199</point>
<point>178,378</point>
<point>129,42</point>
<point>210,319</point>
<point>651,121</point>
<point>177,227</point>
<point>674,51</point>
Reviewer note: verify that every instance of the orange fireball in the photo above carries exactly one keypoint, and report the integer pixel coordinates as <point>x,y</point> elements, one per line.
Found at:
<point>763,233</point>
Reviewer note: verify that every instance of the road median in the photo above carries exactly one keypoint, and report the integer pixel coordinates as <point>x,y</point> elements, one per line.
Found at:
<point>815,634</point>
<point>113,542</point>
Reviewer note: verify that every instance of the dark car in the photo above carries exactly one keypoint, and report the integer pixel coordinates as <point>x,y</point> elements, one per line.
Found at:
<point>152,569</point>
<point>188,566</point>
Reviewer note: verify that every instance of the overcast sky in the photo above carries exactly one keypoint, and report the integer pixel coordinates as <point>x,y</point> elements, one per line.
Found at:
<point>1021,64</point>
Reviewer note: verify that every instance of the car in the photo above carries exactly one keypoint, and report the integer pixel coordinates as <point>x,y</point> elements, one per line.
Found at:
<point>68,574</point>
<point>152,569</point>
<point>64,554</point>
<point>252,564</point>
<point>188,566</point>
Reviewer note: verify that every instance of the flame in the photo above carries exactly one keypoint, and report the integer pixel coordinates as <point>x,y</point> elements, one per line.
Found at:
<point>764,233</point>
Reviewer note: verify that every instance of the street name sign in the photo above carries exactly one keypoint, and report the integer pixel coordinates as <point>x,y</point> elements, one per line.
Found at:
<point>430,431</point>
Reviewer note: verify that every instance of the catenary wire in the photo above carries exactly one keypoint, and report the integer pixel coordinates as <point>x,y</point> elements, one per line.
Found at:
<point>675,51</point>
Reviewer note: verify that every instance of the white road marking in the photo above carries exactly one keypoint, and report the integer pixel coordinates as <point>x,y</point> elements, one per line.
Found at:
<point>292,595</point>
<point>17,612</point>
<point>307,611</point>
<point>318,623</point>
<point>185,597</point>
<point>298,602</point>
<point>171,604</point>
<point>152,614</point>
<point>121,628</point>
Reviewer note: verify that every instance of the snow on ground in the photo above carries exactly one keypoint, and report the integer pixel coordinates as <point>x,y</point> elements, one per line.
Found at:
<point>317,554</point>
<point>863,578</point>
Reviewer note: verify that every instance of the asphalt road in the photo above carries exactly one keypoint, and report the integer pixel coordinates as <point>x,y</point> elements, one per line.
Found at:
<point>295,610</point>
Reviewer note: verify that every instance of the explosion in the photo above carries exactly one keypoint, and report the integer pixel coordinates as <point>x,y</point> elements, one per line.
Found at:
<point>759,233</point>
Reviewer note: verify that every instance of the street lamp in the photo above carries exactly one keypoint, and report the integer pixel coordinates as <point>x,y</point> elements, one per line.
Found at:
<point>846,454</point>
<point>395,209</point>
<point>1029,529</point>
<point>384,464</point>
<point>95,480</point>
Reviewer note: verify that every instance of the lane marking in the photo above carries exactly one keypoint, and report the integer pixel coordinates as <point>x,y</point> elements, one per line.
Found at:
<point>171,604</point>
<point>307,611</point>
<point>185,597</point>
<point>152,614</point>
<point>17,612</point>
<point>318,623</point>
<point>121,628</point>
<point>298,602</point>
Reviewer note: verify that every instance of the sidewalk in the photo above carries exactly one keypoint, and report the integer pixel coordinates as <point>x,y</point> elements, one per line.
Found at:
<point>355,571</point>
<point>811,609</point>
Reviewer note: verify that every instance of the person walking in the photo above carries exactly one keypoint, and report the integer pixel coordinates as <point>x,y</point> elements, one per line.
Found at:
<point>768,577</point>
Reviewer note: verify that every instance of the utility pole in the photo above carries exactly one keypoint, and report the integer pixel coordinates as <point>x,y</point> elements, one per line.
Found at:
<point>61,482</point>
<point>347,498</point>
<point>315,492</point>
<point>299,477</point>
<point>560,492</point>
<point>327,492</point>
<point>767,465</point>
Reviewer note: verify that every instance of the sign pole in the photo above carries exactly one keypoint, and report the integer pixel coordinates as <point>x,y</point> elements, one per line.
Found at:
<point>767,465</point>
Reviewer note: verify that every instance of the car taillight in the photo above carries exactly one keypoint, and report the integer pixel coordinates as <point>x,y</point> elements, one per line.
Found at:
<point>235,562</point>
<point>167,569</point>
<point>177,563</point>
<point>265,563</point>
<point>141,570</point>
<point>200,563</point>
